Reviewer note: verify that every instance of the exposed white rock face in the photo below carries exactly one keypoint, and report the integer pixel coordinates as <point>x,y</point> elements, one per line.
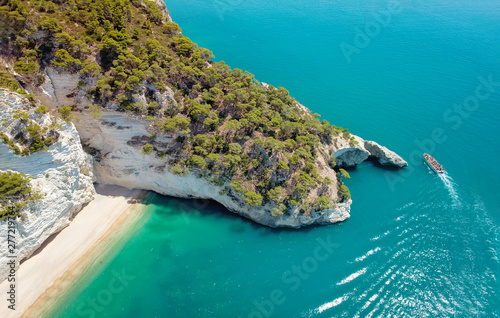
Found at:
<point>163,8</point>
<point>60,89</point>
<point>384,155</point>
<point>123,164</point>
<point>350,155</point>
<point>60,86</point>
<point>165,99</point>
<point>63,174</point>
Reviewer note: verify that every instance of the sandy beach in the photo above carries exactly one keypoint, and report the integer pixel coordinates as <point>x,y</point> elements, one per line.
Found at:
<point>63,256</point>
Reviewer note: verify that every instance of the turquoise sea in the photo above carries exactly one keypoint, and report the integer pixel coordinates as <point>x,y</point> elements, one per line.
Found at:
<point>425,79</point>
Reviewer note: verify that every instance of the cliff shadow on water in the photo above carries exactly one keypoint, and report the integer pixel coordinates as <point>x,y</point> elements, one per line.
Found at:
<point>187,209</point>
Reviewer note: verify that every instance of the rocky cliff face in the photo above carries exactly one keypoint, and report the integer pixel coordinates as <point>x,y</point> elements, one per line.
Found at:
<point>115,140</point>
<point>163,8</point>
<point>350,155</point>
<point>63,173</point>
<point>120,162</point>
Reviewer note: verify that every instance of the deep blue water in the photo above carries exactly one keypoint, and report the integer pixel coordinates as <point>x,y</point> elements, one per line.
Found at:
<point>416,244</point>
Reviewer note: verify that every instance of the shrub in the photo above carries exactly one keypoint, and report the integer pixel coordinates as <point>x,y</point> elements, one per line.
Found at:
<point>49,24</point>
<point>253,198</point>
<point>147,149</point>
<point>183,45</point>
<point>66,114</point>
<point>233,124</point>
<point>49,141</point>
<point>213,157</point>
<point>19,114</point>
<point>322,202</point>
<point>197,161</point>
<point>64,59</point>
<point>201,150</point>
<point>282,165</point>
<point>34,130</point>
<point>177,169</point>
<point>91,68</point>
<point>42,109</point>
<point>235,148</point>
<point>344,173</point>
<point>37,145</point>
<point>344,191</point>
<point>327,181</point>
<point>279,211</point>
<point>133,83</point>
<point>230,161</point>
<point>26,67</point>
<point>276,194</point>
<point>7,81</point>
<point>176,123</point>
<point>171,28</point>
<point>15,193</point>
<point>237,186</point>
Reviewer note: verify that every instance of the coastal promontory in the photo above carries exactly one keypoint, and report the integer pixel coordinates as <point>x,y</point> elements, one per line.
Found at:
<point>156,112</point>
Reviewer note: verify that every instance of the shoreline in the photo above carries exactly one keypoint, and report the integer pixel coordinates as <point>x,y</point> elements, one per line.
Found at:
<point>64,257</point>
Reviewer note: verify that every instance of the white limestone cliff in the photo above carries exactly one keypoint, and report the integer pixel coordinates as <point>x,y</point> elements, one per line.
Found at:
<point>63,174</point>
<point>352,154</point>
<point>110,139</point>
<point>121,163</point>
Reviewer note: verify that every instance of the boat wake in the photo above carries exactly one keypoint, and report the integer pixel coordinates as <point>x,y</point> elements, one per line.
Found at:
<point>450,185</point>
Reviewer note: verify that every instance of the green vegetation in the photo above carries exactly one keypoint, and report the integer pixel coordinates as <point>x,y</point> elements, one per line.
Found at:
<point>8,82</point>
<point>177,169</point>
<point>95,110</point>
<point>26,134</point>
<point>253,198</point>
<point>223,123</point>
<point>66,114</point>
<point>323,202</point>
<point>15,193</point>
<point>147,149</point>
<point>344,173</point>
<point>26,66</point>
<point>41,109</point>
<point>344,191</point>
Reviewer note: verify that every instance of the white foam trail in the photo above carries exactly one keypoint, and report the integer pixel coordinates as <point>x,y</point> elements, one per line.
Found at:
<point>371,252</point>
<point>380,236</point>
<point>331,304</point>
<point>488,227</point>
<point>405,206</point>
<point>450,185</point>
<point>352,277</point>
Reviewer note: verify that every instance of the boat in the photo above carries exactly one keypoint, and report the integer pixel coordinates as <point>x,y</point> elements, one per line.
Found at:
<point>433,164</point>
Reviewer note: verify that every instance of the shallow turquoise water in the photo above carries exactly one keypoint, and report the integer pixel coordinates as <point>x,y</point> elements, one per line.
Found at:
<point>415,245</point>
